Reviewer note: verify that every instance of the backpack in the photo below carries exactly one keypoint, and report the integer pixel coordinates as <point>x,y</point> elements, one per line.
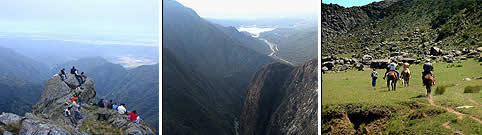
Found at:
<point>72,71</point>
<point>66,113</point>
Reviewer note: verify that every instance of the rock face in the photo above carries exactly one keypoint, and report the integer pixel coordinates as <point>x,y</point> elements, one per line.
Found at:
<point>57,92</point>
<point>282,100</point>
<point>48,117</point>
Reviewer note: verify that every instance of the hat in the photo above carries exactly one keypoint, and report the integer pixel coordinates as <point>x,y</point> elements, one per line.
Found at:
<point>427,60</point>
<point>374,69</point>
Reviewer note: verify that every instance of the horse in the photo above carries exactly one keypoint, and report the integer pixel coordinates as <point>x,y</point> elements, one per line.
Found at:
<point>392,77</point>
<point>406,78</point>
<point>428,82</point>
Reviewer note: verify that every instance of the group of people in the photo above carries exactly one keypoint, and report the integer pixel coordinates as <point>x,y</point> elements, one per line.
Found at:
<point>73,110</point>
<point>80,77</point>
<point>427,69</point>
<point>120,108</point>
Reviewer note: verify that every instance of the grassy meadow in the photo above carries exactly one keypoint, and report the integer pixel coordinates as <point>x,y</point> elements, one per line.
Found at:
<point>406,110</point>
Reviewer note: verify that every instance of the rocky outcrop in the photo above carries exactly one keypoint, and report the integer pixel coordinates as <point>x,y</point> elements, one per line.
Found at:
<point>57,92</point>
<point>264,95</point>
<point>48,117</point>
<point>282,100</point>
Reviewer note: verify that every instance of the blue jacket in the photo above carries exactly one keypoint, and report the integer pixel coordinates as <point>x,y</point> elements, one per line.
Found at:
<point>114,107</point>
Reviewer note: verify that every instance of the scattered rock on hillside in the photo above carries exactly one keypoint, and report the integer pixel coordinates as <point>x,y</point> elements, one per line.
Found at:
<point>467,79</point>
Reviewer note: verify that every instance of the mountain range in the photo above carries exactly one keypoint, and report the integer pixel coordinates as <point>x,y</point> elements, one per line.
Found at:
<point>208,71</point>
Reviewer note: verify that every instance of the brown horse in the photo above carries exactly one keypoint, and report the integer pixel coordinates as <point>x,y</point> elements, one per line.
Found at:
<point>392,77</point>
<point>428,82</point>
<point>406,78</point>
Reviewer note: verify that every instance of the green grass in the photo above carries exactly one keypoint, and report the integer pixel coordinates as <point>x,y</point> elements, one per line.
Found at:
<point>354,87</point>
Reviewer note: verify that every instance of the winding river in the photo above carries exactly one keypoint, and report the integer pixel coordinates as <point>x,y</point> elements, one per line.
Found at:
<point>255,32</point>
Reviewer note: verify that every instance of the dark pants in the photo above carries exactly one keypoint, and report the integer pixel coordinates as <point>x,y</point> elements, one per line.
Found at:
<point>62,76</point>
<point>101,116</point>
<point>374,81</point>
<point>80,79</point>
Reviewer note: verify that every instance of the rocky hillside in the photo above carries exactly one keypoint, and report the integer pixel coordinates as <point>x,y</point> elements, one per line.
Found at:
<point>401,31</point>
<point>48,118</point>
<point>282,99</point>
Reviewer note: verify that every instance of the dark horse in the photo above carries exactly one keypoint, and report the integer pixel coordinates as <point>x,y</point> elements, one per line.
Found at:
<point>392,76</point>
<point>428,82</point>
<point>406,78</point>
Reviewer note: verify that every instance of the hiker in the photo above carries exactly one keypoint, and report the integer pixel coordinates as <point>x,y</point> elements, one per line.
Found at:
<point>121,109</point>
<point>101,103</point>
<point>109,105</point>
<point>67,113</point>
<point>78,77</point>
<point>62,74</point>
<point>114,106</point>
<point>427,69</point>
<point>84,77</point>
<point>72,71</point>
<point>133,116</point>
<point>75,109</point>
<point>392,67</point>
<point>374,77</point>
<point>74,98</point>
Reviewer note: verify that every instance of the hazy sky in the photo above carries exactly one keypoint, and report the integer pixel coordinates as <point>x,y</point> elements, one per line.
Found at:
<point>79,16</point>
<point>252,8</point>
<point>349,3</point>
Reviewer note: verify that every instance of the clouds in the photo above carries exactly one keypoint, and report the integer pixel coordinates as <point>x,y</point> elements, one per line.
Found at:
<point>81,15</point>
<point>251,8</point>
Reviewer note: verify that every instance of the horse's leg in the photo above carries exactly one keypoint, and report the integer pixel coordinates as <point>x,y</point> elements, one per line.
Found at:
<point>388,84</point>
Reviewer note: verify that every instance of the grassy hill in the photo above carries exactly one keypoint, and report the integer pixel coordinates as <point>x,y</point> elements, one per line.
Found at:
<point>351,105</point>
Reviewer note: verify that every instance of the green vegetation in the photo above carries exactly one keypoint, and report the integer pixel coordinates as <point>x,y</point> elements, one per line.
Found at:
<point>472,89</point>
<point>408,110</point>
<point>440,90</point>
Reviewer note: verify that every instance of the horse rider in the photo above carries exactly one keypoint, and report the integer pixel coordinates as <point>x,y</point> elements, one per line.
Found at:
<point>392,67</point>
<point>405,68</point>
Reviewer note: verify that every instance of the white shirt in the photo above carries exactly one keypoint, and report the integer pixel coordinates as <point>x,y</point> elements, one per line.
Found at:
<point>121,109</point>
<point>393,66</point>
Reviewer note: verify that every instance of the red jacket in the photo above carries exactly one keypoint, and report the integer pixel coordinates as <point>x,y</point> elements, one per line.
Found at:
<point>133,116</point>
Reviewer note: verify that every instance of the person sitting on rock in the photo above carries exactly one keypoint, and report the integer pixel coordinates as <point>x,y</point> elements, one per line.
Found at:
<point>74,98</point>
<point>62,74</point>
<point>392,67</point>
<point>121,109</point>
<point>75,109</point>
<point>133,116</point>
<point>68,114</point>
<point>114,106</point>
<point>109,105</point>
<point>78,77</point>
<point>84,76</point>
<point>72,71</point>
<point>427,69</point>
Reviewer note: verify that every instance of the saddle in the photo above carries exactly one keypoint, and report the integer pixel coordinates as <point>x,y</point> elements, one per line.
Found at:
<point>394,74</point>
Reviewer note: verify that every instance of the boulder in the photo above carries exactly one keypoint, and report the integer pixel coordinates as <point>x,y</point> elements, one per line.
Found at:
<point>30,127</point>
<point>379,64</point>
<point>9,118</point>
<point>408,60</point>
<point>435,51</point>
<point>467,79</point>
<point>458,53</point>
<point>479,49</point>
<point>329,65</point>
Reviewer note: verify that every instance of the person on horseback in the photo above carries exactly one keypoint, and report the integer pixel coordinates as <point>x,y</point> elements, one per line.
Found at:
<point>392,67</point>
<point>427,69</point>
<point>405,68</point>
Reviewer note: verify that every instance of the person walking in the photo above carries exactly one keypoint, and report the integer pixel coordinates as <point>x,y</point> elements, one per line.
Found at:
<point>374,76</point>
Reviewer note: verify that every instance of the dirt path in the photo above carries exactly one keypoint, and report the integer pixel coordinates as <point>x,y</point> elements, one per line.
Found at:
<point>470,99</point>
<point>459,115</point>
<point>446,125</point>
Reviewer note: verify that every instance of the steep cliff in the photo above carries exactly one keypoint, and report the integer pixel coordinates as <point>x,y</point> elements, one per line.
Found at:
<point>282,100</point>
